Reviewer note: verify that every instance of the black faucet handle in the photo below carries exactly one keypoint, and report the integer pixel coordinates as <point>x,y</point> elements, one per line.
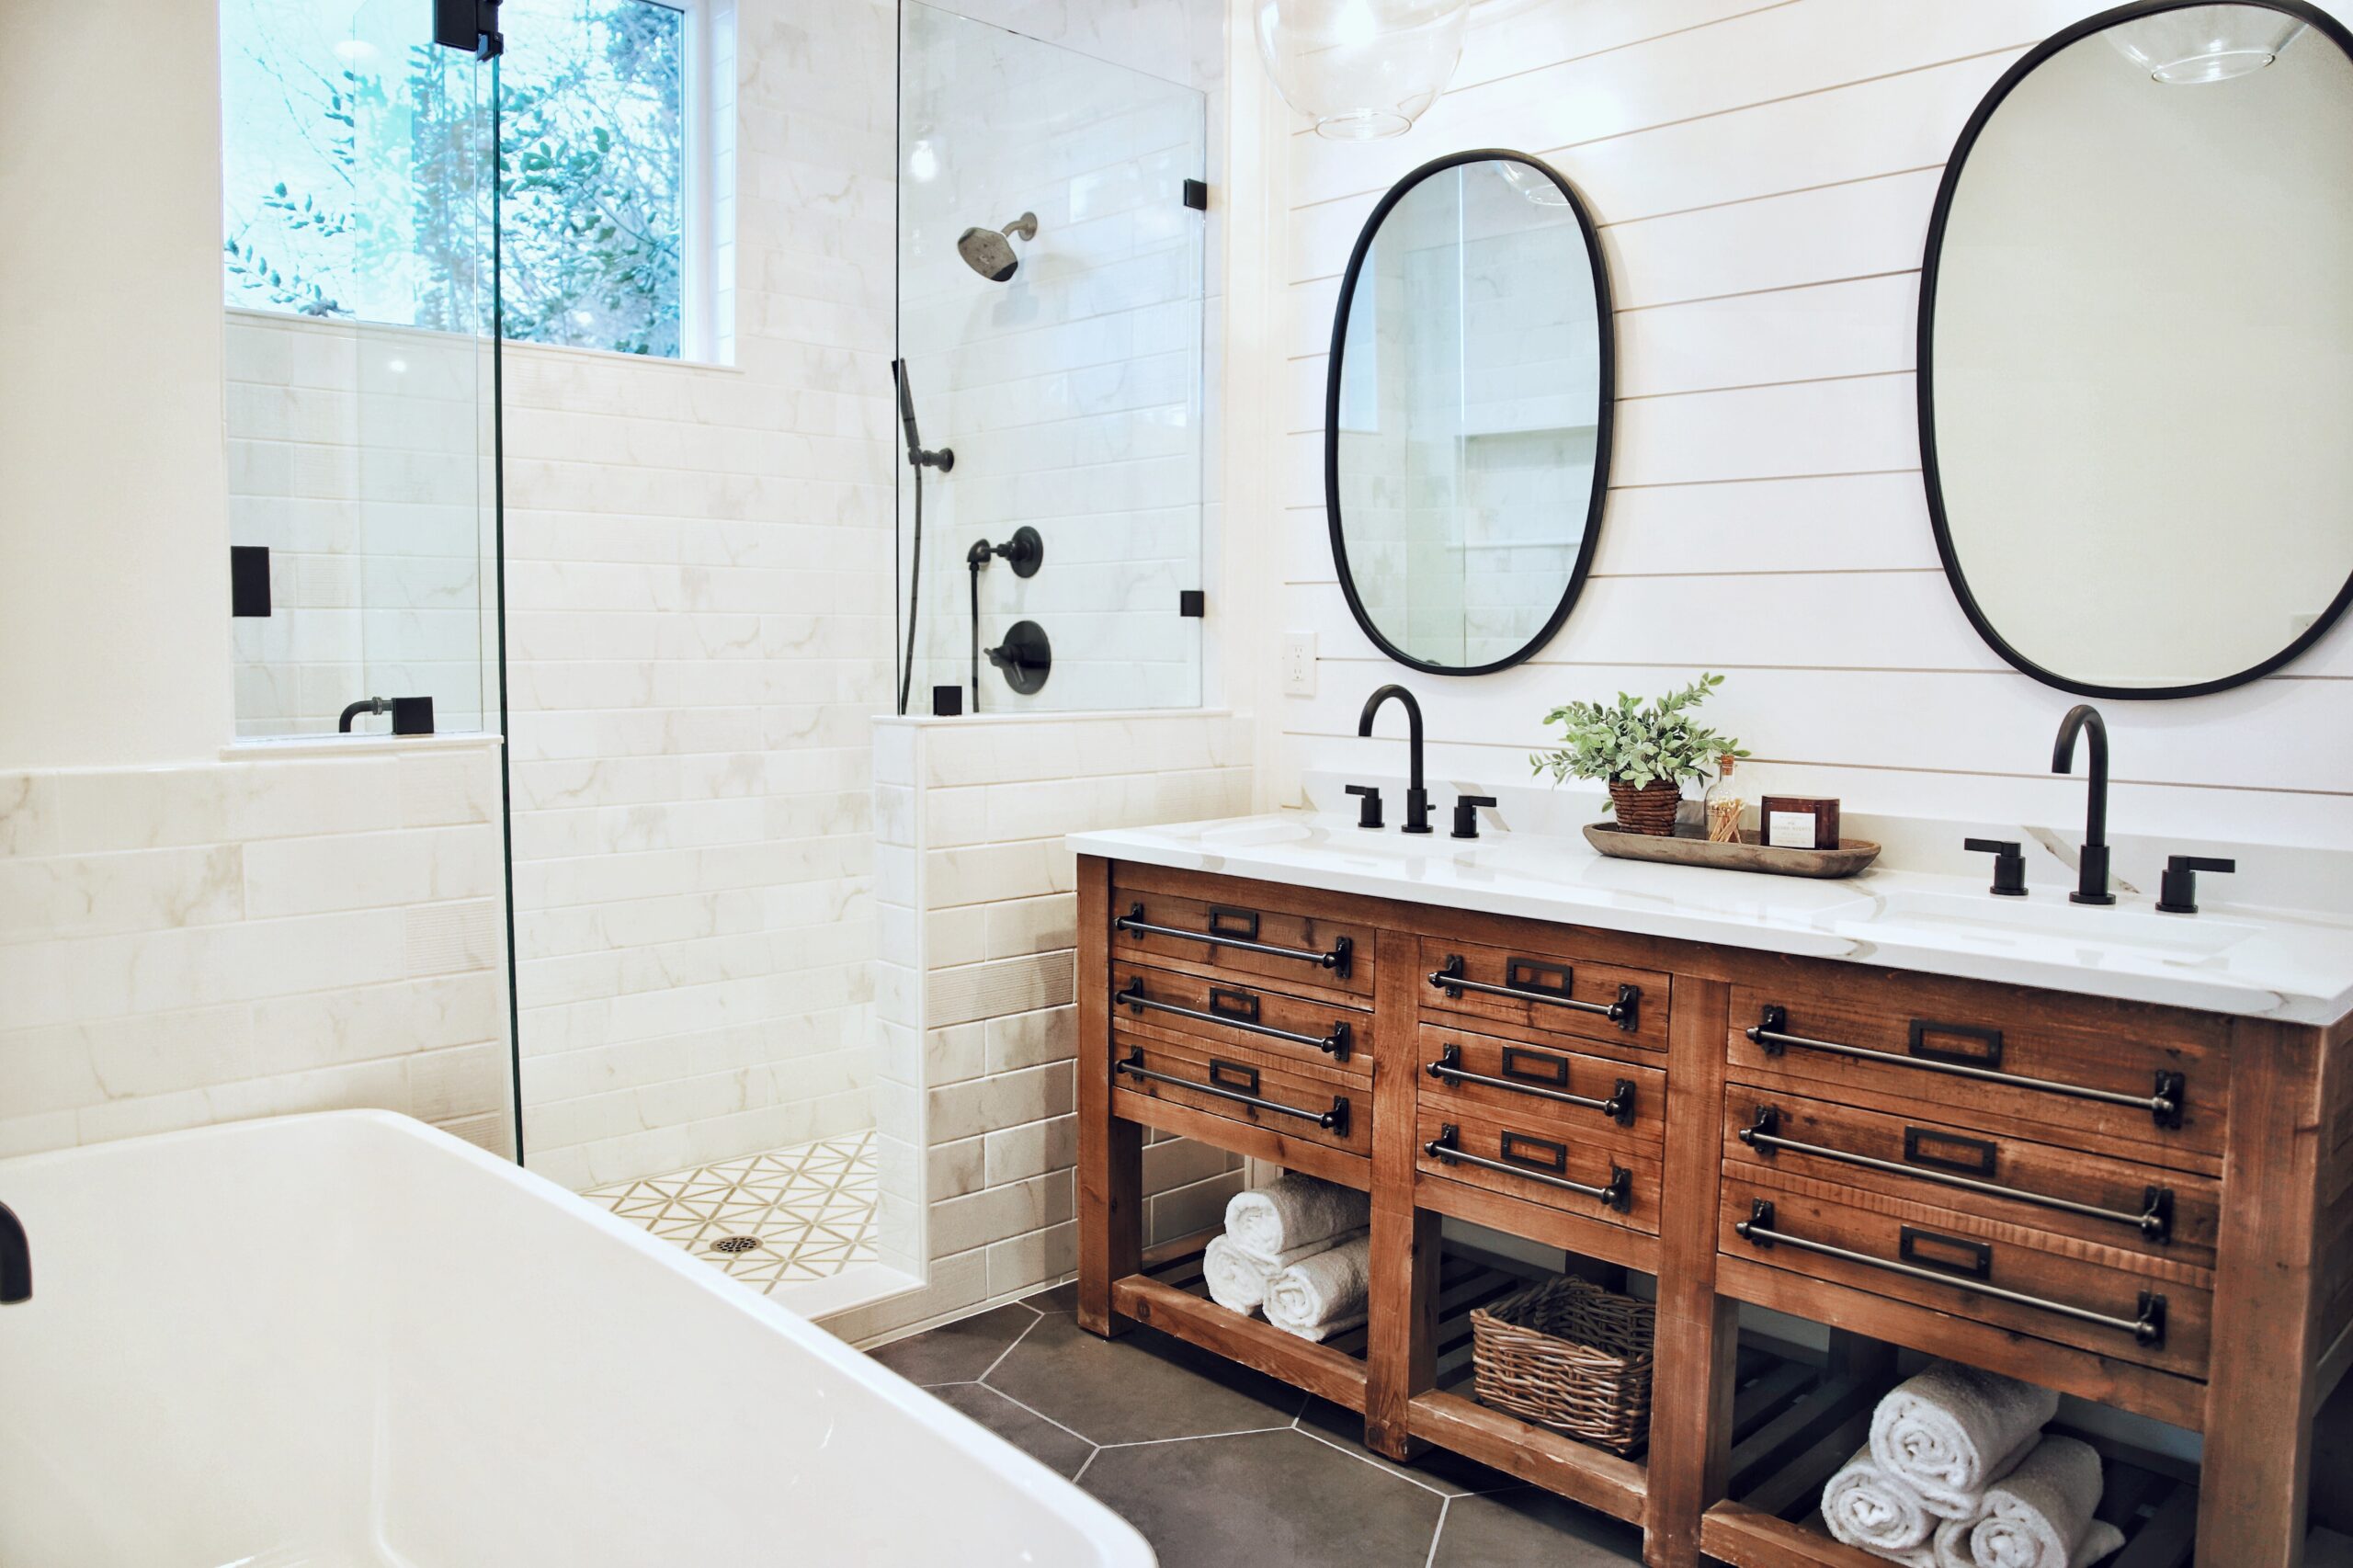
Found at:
<point>1466,813</point>
<point>2009,863</point>
<point>2178,889</point>
<point>1368,813</point>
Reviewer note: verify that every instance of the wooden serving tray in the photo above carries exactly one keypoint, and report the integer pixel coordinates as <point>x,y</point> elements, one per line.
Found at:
<point>1851,856</point>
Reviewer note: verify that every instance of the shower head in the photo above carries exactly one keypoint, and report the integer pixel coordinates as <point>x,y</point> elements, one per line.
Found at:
<point>989,251</point>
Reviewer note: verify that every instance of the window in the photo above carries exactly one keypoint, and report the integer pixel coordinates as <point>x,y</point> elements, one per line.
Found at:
<point>356,167</point>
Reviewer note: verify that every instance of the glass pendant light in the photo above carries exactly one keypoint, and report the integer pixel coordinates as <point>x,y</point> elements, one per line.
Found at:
<point>1360,68</point>
<point>2205,43</point>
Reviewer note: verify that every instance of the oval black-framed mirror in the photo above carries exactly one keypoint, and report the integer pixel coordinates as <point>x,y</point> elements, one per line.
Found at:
<point>2136,349</point>
<point>1467,413</point>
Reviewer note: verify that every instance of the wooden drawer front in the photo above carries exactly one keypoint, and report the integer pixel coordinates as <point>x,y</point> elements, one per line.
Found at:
<point>1237,939</point>
<point>1246,1087</point>
<point>2142,1209</point>
<point>1544,996</point>
<point>1897,1042</point>
<point>1317,1035</point>
<point>1628,1107</point>
<point>1618,1185</point>
<point>1972,1268</point>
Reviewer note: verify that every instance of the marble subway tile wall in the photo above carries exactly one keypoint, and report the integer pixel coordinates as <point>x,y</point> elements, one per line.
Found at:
<point>1072,393</point>
<point>698,594</point>
<point>206,942</point>
<point>360,457</point>
<point>975,1104</point>
<point>1762,174</point>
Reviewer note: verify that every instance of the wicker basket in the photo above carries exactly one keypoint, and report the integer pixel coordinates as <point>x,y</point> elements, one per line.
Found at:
<point>1570,1357</point>
<point>1649,808</point>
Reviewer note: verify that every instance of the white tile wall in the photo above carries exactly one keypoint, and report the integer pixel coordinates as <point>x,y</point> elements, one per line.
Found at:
<point>361,456</point>
<point>206,942</point>
<point>1762,171</point>
<point>974,1107</point>
<point>699,595</point>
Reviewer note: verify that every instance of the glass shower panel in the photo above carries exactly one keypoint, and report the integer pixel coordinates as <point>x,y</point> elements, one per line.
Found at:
<point>1069,391</point>
<point>357,163</point>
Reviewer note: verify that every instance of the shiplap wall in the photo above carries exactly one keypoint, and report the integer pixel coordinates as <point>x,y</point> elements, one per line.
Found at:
<point>1763,172</point>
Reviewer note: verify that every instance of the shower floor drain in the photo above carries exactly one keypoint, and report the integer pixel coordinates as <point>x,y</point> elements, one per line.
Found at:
<point>734,1245</point>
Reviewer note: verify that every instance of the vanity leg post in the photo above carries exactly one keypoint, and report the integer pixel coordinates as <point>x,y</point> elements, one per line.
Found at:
<point>2254,1482</point>
<point>1401,1352</point>
<point>1698,1330</point>
<point>1110,1149</point>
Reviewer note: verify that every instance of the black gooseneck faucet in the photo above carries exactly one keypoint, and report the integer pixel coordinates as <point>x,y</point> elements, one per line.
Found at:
<point>2091,876</point>
<point>1417,799</point>
<point>15,1260</point>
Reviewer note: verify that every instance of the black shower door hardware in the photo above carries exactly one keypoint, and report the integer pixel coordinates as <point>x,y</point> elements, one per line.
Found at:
<point>1446,1148</point>
<point>1335,1121</point>
<point>2147,1327</point>
<point>1192,603</point>
<point>1552,1084</point>
<point>1235,1010</point>
<point>248,580</point>
<point>1242,936</point>
<point>2154,1220</point>
<point>1524,983</point>
<point>2162,1103</point>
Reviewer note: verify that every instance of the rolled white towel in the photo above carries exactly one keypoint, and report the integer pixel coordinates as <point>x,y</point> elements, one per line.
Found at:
<point>1237,1277</point>
<point>1951,1431</point>
<point>1293,1212</point>
<point>2040,1516</point>
<point>1322,1295</point>
<point>1865,1506</point>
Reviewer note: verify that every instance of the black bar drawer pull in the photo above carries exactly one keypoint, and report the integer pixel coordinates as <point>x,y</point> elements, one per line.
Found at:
<point>2147,1327</point>
<point>2163,1103</point>
<point>2154,1220</point>
<point>1625,1012</point>
<point>1336,1119</point>
<point>1238,928</point>
<point>1446,1149</point>
<point>1618,1107</point>
<point>1226,1009</point>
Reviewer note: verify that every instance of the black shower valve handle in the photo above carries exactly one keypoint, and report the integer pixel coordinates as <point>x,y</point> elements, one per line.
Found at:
<point>2009,864</point>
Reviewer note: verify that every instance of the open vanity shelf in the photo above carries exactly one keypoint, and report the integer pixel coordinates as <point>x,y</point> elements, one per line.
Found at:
<point>2052,1185</point>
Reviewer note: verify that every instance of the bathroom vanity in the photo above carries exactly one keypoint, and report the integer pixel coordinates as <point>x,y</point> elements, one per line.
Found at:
<point>2037,1138</point>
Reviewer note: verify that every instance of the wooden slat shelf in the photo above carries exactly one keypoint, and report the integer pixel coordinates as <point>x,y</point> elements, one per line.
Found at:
<point>1802,1421</point>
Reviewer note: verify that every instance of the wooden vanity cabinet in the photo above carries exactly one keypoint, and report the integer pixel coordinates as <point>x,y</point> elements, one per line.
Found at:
<point>2145,1207</point>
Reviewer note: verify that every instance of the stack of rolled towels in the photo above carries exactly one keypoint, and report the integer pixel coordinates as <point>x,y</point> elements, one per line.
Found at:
<point>1958,1474</point>
<point>1296,1249</point>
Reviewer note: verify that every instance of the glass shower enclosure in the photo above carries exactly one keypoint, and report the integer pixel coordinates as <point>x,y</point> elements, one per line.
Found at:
<point>1051,300</point>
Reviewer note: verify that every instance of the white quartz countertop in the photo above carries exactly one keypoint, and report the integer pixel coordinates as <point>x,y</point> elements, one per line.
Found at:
<point>2290,965</point>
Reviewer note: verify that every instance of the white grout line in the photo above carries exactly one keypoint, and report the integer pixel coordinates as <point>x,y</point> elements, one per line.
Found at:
<point>1195,1437</point>
<point>1439,1534</point>
<point>1018,1338</point>
<point>1042,1416</point>
<point>1355,1452</point>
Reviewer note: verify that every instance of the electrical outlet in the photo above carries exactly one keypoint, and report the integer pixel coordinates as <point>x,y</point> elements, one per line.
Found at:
<point>1299,663</point>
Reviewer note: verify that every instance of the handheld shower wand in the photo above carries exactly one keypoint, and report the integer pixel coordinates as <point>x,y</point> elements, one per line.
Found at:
<point>918,460</point>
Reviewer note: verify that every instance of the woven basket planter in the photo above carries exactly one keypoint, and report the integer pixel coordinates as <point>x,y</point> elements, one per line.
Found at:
<point>1571,1358</point>
<point>1649,808</point>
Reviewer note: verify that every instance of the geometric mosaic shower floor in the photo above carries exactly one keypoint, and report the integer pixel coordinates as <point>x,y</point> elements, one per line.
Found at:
<point>810,1210</point>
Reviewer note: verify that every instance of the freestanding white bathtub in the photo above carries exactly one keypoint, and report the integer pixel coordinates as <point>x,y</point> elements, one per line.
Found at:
<point>348,1339</point>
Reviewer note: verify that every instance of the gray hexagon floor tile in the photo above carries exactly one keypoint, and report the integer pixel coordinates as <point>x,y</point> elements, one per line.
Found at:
<point>1531,1526</point>
<point>1437,1469</point>
<point>1142,1387</point>
<point>1033,1435</point>
<point>1270,1497</point>
<point>960,1351</point>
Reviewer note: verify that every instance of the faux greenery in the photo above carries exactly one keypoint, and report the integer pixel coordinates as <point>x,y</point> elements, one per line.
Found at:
<point>1636,742</point>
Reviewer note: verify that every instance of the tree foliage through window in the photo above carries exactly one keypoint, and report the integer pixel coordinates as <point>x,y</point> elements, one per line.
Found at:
<point>356,166</point>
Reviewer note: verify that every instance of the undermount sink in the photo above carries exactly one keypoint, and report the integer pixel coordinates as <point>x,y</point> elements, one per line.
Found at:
<point>2047,917</point>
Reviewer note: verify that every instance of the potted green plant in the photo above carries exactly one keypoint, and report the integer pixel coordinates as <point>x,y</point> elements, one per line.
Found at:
<point>1644,751</point>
